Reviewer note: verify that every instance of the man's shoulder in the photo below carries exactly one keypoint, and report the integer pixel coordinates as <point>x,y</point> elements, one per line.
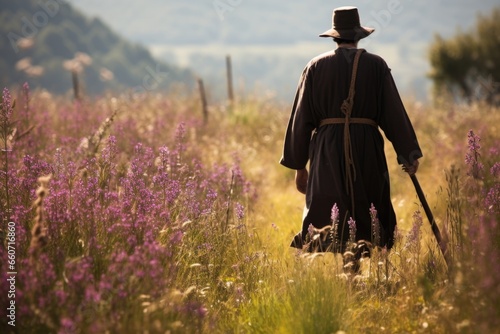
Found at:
<point>322,57</point>
<point>332,61</point>
<point>332,54</point>
<point>375,58</point>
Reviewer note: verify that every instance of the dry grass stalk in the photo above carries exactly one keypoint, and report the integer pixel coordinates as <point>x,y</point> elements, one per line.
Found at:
<point>92,142</point>
<point>38,232</point>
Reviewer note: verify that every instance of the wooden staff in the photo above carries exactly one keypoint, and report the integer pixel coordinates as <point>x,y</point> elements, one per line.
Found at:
<point>435,229</point>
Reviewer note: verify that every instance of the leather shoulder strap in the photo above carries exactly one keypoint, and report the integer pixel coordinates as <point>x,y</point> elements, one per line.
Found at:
<point>348,103</point>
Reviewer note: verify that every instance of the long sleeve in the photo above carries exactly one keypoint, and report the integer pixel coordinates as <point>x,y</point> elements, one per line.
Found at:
<point>300,125</point>
<point>396,124</point>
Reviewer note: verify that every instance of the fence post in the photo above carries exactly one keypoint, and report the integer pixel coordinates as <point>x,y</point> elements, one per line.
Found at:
<point>76,86</point>
<point>229,73</point>
<point>203,97</point>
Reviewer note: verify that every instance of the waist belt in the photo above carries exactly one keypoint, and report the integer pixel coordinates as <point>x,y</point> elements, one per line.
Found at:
<point>366,121</point>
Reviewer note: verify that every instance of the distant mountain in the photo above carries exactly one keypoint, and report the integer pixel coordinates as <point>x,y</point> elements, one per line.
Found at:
<point>42,42</point>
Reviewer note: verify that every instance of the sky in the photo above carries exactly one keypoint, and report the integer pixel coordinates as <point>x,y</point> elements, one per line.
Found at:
<point>270,41</point>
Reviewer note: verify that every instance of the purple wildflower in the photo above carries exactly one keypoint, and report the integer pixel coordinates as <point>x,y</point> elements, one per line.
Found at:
<point>472,156</point>
<point>6,105</point>
<point>67,325</point>
<point>61,296</point>
<point>413,237</point>
<point>494,151</point>
<point>335,214</point>
<point>193,308</point>
<point>109,151</point>
<point>118,211</point>
<point>180,145</point>
<point>5,115</point>
<point>473,141</point>
<point>310,230</point>
<point>495,170</point>
<point>164,159</point>
<point>375,225</point>
<point>352,230</point>
<point>26,109</point>
<point>240,210</point>
<point>492,200</point>
<point>91,295</point>
<point>176,238</point>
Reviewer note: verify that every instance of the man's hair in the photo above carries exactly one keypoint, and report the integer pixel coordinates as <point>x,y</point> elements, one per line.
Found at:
<point>343,41</point>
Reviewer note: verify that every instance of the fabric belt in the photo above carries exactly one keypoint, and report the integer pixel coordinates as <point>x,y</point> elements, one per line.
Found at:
<point>354,120</point>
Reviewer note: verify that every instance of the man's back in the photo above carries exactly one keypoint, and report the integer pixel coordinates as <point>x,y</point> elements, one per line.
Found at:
<point>339,137</point>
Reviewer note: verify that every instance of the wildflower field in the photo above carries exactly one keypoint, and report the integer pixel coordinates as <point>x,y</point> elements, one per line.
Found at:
<point>131,214</point>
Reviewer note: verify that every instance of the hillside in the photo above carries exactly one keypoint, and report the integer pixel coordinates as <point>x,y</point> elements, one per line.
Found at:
<point>42,41</point>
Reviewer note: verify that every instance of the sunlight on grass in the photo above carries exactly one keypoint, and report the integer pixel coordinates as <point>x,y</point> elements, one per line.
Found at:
<point>154,222</point>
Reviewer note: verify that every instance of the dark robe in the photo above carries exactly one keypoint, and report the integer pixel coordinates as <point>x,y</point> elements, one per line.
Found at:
<point>323,86</point>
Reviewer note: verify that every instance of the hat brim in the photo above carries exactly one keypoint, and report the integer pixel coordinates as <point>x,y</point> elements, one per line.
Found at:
<point>349,34</point>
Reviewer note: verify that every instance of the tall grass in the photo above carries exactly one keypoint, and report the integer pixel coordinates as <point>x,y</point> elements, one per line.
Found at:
<point>153,221</point>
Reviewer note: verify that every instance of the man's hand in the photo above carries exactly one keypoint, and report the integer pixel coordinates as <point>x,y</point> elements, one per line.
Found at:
<point>411,169</point>
<point>301,177</point>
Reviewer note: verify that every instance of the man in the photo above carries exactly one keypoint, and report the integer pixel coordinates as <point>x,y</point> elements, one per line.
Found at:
<point>335,127</point>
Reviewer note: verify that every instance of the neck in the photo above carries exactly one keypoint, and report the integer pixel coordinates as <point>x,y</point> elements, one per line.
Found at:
<point>348,45</point>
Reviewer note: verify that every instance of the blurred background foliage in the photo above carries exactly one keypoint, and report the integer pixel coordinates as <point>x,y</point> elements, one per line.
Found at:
<point>38,37</point>
<point>467,65</point>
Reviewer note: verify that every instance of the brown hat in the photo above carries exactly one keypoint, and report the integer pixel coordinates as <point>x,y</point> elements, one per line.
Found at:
<point>345,25</point>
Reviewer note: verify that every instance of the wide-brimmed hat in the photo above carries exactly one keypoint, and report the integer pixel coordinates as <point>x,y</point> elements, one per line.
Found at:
<point>345,25</point>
